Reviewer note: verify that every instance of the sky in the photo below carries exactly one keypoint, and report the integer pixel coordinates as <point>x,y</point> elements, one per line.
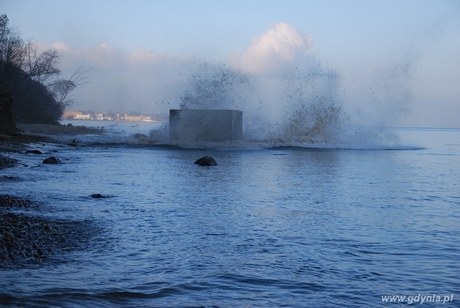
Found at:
<point>396,62</point>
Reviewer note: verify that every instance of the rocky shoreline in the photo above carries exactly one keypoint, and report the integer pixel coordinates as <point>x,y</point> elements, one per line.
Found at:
<point>34,239</point>
<point>26,236</point>
<point>36,133</point>
<point>7,162</point>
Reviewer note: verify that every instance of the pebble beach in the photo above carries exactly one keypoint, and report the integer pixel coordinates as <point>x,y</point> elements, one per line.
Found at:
<point>27,237</point>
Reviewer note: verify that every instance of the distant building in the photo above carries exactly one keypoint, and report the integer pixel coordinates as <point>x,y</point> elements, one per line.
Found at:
<point>132,118</point>
<point>110,116</point>
<point>85,116</point>
<point>78,115</point>
<point>138,118</point>
<point>147,119</point>
<point>71,114</point>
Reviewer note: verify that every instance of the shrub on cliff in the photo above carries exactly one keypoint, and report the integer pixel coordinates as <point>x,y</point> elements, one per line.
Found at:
<point>40,95</point>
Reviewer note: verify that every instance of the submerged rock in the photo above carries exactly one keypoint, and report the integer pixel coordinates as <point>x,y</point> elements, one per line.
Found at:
<point>73,143</point>
<point>98,196</point>
<point>9,201</point>
<point>206,161</point>
<point>7,178</point>
<point>51,160</point>
<point>34,152</point>
<point>6,162</point>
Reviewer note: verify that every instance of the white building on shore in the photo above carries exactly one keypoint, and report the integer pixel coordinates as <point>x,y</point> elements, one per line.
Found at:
<point>100,116</point>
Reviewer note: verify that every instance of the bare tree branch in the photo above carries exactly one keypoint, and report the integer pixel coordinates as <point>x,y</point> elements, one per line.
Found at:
<point>61,88</point>
<point>43,66</point>
<point>11,45</point>
<point>34,78</point>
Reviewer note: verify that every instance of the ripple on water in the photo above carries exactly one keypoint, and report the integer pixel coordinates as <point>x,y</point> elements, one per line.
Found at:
<point>266,227</point>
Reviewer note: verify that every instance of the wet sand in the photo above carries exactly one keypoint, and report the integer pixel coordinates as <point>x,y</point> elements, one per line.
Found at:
<point>37,133</point>
<point>58,130</point>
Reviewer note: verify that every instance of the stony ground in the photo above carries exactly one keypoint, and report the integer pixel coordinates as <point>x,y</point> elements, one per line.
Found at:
<point>6,162</point>
<point>17,143</point>
<point>36,133</point>
<point>32,239</point>
<point>67,130</point>
<point>26,237</point>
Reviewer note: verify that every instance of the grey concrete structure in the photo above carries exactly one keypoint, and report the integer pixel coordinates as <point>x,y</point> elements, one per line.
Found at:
<point>192,125</point>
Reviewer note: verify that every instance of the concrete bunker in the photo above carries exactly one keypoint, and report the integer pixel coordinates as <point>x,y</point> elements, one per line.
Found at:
<point>211,125</point>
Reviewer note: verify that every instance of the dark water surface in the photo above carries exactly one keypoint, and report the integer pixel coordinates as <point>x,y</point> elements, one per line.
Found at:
<point>267,227</point>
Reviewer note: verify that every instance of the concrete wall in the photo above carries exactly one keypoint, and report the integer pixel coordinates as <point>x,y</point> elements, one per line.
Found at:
<point>191,125</point>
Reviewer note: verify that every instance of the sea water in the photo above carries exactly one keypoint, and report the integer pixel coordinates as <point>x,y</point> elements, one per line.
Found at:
<point>270,226</point>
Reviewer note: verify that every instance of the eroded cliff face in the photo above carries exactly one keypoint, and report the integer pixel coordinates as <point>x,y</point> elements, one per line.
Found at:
<point>7,123</point>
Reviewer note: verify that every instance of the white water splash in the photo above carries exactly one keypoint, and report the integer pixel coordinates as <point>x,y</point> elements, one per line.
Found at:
<point>304,106</point>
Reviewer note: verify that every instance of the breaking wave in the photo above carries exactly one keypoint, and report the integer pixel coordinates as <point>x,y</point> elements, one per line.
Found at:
<point>302,108</point>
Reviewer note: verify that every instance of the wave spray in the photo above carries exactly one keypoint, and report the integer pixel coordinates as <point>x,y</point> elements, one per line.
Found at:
<point>301,107</point>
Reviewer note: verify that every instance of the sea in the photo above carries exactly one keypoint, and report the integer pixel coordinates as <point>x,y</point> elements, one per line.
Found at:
<point>274,224</point>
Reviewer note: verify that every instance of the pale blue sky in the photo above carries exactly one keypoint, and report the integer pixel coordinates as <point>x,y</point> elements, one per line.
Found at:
<point>354,38</point>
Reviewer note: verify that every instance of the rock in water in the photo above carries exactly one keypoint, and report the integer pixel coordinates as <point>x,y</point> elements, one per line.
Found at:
<point>97,196</point>
<point>206,161</point>
<point>34,152</point>
<point>51,160</point>
<point>73,143</point>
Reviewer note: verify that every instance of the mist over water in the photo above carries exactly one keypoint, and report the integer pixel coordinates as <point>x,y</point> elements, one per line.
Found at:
<point>216,86</point>
<point>303,106</point>
<point>289,97</point>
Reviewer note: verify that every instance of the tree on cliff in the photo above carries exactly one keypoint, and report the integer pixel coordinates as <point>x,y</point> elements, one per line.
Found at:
<point>40,95</point>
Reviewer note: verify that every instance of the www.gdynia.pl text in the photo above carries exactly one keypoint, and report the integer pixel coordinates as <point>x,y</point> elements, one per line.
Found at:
<point>419,298</point>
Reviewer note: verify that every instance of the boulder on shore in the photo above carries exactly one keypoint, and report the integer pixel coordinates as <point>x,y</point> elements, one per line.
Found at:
<point>51,160</point>
<point>34,152</point>
<point>6,162</point>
